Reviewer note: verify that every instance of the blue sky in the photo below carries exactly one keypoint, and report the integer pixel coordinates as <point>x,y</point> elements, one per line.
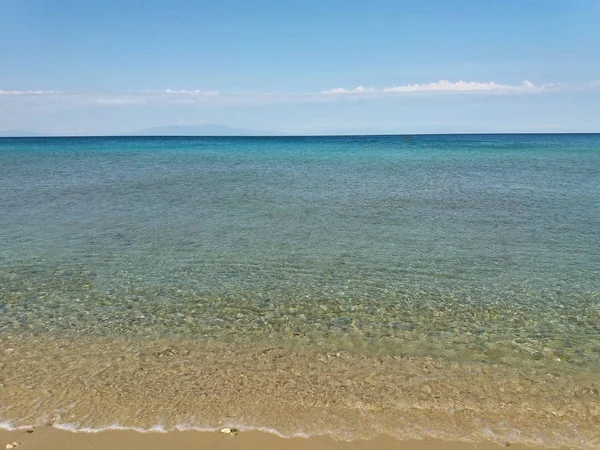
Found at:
<point>300,67</point>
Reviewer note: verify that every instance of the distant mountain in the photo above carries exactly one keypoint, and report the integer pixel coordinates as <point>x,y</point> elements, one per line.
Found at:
<point>201,130</point>
<point>20,133</point>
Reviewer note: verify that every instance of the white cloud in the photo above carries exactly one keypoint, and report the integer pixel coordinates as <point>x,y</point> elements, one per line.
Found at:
<point>203,98</point>
<point>15,92</point>
<point>463,86</point>
<point>337,91</point>
<point>442,86</point>
<point>194,92</point>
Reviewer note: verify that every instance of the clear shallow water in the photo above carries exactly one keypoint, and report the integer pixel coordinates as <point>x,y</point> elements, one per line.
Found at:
<point>471,249</point>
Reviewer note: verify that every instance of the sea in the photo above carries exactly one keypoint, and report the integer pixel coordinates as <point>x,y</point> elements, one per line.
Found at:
<point>426,286</point>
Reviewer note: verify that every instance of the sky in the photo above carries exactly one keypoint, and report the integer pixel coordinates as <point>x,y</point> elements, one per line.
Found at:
<point>300,66</point>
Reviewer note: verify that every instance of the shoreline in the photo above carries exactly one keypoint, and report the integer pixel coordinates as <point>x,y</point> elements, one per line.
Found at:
<point>89,383</point>
<point>51,438</point>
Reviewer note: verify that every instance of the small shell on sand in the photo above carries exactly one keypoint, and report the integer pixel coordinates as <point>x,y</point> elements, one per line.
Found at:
<point>231,431</point>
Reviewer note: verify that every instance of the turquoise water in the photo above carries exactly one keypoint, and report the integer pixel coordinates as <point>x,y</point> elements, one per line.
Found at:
<point>418,286</point>
<point>411,243</point>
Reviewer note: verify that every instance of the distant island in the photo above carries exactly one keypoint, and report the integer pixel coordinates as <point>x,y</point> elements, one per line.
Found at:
<point>20,133</point>
<point>201,130</point>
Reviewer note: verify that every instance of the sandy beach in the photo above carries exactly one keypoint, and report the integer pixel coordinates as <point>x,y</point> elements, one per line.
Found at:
<point>48,438</point>
<point>92,383</point>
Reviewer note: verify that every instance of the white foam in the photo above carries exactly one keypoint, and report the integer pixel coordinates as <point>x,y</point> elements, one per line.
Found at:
<point>485,434</point>
<point>75,428</point>
<point>8,426</point>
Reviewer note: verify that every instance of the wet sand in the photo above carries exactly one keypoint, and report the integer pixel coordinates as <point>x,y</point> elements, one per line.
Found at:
<point>141,383</point>
<point>48,438</point>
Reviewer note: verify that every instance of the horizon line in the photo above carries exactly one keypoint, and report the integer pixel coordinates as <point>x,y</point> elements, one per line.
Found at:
<point>45,136</point>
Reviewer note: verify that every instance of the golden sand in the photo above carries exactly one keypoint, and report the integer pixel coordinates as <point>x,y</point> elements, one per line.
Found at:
<point>47,438</point>
<point>141,383</point>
